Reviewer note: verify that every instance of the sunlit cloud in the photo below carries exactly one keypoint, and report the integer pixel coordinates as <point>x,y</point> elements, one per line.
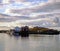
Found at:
<point>5,1</point>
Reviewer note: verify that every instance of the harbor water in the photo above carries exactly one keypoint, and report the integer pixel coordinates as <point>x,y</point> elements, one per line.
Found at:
<point>31,43</point>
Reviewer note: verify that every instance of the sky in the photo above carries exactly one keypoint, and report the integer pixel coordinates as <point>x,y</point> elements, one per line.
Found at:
<point>11,6</point>
<point>18,4</point>
<point>29,12</point>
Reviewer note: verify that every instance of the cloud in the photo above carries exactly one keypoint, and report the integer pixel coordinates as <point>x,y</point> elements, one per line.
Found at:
<point>30,0</point>
<point>30,12</point>
<point>5,1</point>
<point>26,8</point>
<point>57,0</point>
<point>38,8</point>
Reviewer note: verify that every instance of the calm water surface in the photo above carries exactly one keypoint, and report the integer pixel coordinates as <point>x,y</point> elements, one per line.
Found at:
<point>33,43</point>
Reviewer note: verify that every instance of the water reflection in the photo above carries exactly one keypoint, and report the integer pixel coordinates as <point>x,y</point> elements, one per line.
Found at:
<point>32,43</point>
